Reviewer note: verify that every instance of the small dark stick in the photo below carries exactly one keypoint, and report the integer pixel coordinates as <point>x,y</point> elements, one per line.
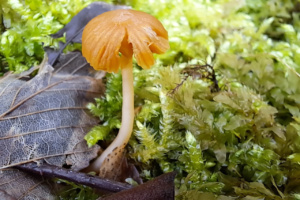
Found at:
<point>73,176</point>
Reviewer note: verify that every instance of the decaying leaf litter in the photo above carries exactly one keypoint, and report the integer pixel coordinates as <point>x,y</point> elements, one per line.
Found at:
<point>55,101</point>
<point>44,118</point>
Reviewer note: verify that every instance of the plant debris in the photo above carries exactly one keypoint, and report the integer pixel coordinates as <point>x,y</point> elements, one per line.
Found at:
<point>43,118</point>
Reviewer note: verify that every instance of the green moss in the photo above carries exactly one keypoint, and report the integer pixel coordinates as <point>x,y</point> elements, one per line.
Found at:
<point>234,137</point>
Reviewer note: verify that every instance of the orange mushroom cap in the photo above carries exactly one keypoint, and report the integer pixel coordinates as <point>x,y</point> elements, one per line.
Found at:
<point>110,39</point>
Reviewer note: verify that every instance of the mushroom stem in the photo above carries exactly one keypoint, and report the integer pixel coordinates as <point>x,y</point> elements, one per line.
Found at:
<point>127,117</point>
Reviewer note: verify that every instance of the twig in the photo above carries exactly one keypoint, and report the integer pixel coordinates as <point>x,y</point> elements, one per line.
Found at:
<point>171,92</point>
<point>76,177</point>
<point>199,72</point>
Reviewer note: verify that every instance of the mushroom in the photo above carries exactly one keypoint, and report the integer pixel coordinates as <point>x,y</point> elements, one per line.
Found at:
<point>108,43</point>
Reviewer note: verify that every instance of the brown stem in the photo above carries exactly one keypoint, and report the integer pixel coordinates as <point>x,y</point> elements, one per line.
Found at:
<point>76,177</point>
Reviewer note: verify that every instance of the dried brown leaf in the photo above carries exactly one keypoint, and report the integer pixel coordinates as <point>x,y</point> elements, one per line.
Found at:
<point>160,188</point>
<point>15,184</point>
<point>44,119</point>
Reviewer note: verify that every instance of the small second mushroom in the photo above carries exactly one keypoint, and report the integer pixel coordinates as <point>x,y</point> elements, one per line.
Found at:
<point>108,43</point>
